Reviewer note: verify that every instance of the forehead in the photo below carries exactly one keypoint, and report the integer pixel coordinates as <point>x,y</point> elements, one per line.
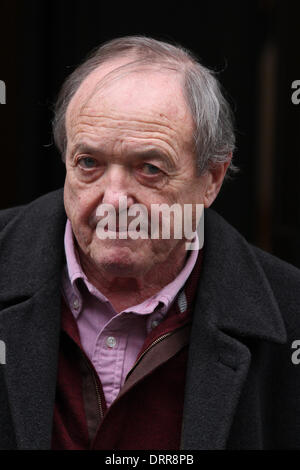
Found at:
<point>123,89</point>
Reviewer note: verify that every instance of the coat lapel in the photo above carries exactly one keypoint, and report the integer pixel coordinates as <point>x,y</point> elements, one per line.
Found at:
<point>215,378</point>
<point>234,302</point>
<point>32,259</point>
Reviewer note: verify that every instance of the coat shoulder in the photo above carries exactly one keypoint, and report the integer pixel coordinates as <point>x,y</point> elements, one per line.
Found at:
<point>266,280</point>
<point>41,205</point>
<point>7,214</point>
<point>284,279</point>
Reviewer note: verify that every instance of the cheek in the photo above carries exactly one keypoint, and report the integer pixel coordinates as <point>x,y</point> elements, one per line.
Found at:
<point>69,200</point>
<point>76,208</point>
<point>79,201</point>
<point>195,192</point>
<point>78,215</point>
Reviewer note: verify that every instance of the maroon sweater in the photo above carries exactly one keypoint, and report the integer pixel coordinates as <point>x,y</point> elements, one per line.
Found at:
<point>147,414</point>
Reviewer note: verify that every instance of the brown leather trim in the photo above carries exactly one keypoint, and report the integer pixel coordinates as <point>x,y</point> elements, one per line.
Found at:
<point>157,355</point>
<point>90,398</point>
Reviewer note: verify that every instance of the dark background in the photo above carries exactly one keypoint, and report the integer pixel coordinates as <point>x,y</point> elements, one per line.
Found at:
<point>254,45</point>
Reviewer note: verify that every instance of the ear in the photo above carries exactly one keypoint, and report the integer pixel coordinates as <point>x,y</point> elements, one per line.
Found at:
<point>213,181</point>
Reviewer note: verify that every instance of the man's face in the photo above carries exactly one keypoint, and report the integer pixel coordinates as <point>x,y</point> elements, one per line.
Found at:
<point>130,136</point>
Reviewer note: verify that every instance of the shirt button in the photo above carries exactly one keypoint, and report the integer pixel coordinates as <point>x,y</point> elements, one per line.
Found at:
<point>154,323</point>
<point>111,341</point>
<point>76,304</point>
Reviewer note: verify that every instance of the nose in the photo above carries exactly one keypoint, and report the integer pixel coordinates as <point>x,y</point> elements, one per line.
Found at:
<point>118,185</point>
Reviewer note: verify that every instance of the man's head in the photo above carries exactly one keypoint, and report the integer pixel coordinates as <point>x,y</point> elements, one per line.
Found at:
<point>140,119</point>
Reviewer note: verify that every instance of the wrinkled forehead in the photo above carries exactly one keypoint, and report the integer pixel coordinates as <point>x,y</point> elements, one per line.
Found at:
<point>129,84</point>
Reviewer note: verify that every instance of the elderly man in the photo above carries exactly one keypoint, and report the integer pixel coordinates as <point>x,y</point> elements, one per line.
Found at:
<point>115,341</point>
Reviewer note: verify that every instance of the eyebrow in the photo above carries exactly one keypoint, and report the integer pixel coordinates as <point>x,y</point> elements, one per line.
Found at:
<point>85,148</point>
<point>150,153</point>
<point>155,154</point>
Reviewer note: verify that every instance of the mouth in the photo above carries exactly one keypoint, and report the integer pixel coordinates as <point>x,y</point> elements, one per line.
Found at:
<point>121,233</point>
<point>119,229</point>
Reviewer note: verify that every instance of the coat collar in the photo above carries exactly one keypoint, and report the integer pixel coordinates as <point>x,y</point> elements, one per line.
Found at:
<point>233,288</point>
<point>234,301</point>
<point>31,247</point>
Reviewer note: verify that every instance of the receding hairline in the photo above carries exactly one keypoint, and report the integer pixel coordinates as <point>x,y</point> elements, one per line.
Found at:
<point>114,71</point>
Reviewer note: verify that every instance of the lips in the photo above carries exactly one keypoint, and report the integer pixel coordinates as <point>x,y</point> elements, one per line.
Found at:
<point>118,229</point>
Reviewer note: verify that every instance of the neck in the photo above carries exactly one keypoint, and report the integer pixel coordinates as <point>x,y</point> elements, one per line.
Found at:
<point>124,292</point>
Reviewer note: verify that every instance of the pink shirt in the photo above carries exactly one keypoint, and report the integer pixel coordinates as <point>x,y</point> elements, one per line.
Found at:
<point>113,340</point>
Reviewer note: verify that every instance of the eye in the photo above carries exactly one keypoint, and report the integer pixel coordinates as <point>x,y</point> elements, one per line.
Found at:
<point>151,169</point>
<point>87,163</point>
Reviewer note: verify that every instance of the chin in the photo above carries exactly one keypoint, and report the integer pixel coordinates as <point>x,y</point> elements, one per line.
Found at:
<point>119,261</point>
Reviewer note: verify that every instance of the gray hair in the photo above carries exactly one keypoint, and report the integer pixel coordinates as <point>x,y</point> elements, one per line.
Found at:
<point>213,120</point>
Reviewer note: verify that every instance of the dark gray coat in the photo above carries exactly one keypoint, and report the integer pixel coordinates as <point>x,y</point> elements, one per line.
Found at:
<point>242,388</point>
